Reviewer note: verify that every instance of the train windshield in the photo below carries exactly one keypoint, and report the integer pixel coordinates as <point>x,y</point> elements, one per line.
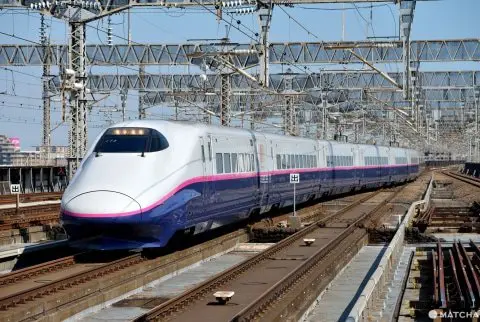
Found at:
<point>131,140</point>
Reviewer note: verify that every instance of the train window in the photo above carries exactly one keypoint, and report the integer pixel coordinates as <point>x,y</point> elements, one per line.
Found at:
<point>131,140</point>
<point>304,159</point>
<point>279,161</point>
<point>297,161</point>
<point>241,164</point>
<point>209,151</point>
<point>291,164</point>
<point>226,163</point>
<point>252,162</point>
<point>157,142</point>
<point>284,162</point>
<point>234,162</point>
<point>219,162</point>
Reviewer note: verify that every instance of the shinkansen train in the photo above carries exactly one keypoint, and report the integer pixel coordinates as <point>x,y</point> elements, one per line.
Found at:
<point>143,181</point>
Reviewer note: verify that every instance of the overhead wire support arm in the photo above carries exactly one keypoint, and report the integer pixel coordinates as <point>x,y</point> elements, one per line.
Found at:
<point>384,75</point>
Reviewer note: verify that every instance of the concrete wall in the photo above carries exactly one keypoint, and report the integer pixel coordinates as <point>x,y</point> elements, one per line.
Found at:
<point>380,279</point>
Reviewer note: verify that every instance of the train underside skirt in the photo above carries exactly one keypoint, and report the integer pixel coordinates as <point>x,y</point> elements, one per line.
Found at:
<point>116,233</point>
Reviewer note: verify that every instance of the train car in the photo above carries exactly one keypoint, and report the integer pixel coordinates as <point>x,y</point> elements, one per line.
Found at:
<point>143,181</point>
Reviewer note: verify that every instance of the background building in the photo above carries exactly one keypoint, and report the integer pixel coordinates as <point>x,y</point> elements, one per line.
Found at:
<point>12,155</point>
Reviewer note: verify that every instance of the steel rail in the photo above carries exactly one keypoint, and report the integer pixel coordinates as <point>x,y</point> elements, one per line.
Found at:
<point>475,248</point>
<point>455,279</point>
<point>472,181</point>
<point>323,222</point>
<point>143,270</point>
<point>29,272</point>
<point>176,304</point>
<point>473,275</point>
<point>45,289</point>
<point>441,277</point>
<point>463,275</point>
<point>30,197</point>
<point>24,222</point>
<point>273,293</point>
<point>28,210</point>
<point>435,277</point>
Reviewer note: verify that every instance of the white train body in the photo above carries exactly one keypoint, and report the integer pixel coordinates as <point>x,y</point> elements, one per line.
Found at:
<point>143,181</point>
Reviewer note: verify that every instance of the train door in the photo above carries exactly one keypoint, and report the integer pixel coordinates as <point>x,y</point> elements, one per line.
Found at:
<point>207,172</point>
<point>362,171</point>
<point>319,162</point>
<point>330,173</point>
<point>261,164</point>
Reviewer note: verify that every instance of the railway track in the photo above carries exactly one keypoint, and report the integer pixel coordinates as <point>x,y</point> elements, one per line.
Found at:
<point>467,179</point>
<point>28,216</point>
<point>285,276</point>
<point>49,288</point>
<point>37,270</point>
<point>30,197</point>
<point>64,287</point>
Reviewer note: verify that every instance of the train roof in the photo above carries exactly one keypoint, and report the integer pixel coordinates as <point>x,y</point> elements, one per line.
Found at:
<point>160,125</point>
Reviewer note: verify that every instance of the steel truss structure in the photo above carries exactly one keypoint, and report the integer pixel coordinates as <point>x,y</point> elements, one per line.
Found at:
<point>279,53</point>
<point>289,94</point>
<point>431,82</point>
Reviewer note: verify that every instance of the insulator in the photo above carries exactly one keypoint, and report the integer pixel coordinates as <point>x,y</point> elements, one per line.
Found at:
<point>109,32</point>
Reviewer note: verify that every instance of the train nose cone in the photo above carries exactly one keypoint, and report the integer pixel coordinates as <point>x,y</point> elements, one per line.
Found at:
<point>102,204</point>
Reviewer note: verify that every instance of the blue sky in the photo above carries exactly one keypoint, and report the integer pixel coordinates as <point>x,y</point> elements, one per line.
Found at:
<point>20,101</point>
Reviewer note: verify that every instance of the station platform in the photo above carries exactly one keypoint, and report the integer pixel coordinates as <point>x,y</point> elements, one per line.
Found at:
<point>335,303</point>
